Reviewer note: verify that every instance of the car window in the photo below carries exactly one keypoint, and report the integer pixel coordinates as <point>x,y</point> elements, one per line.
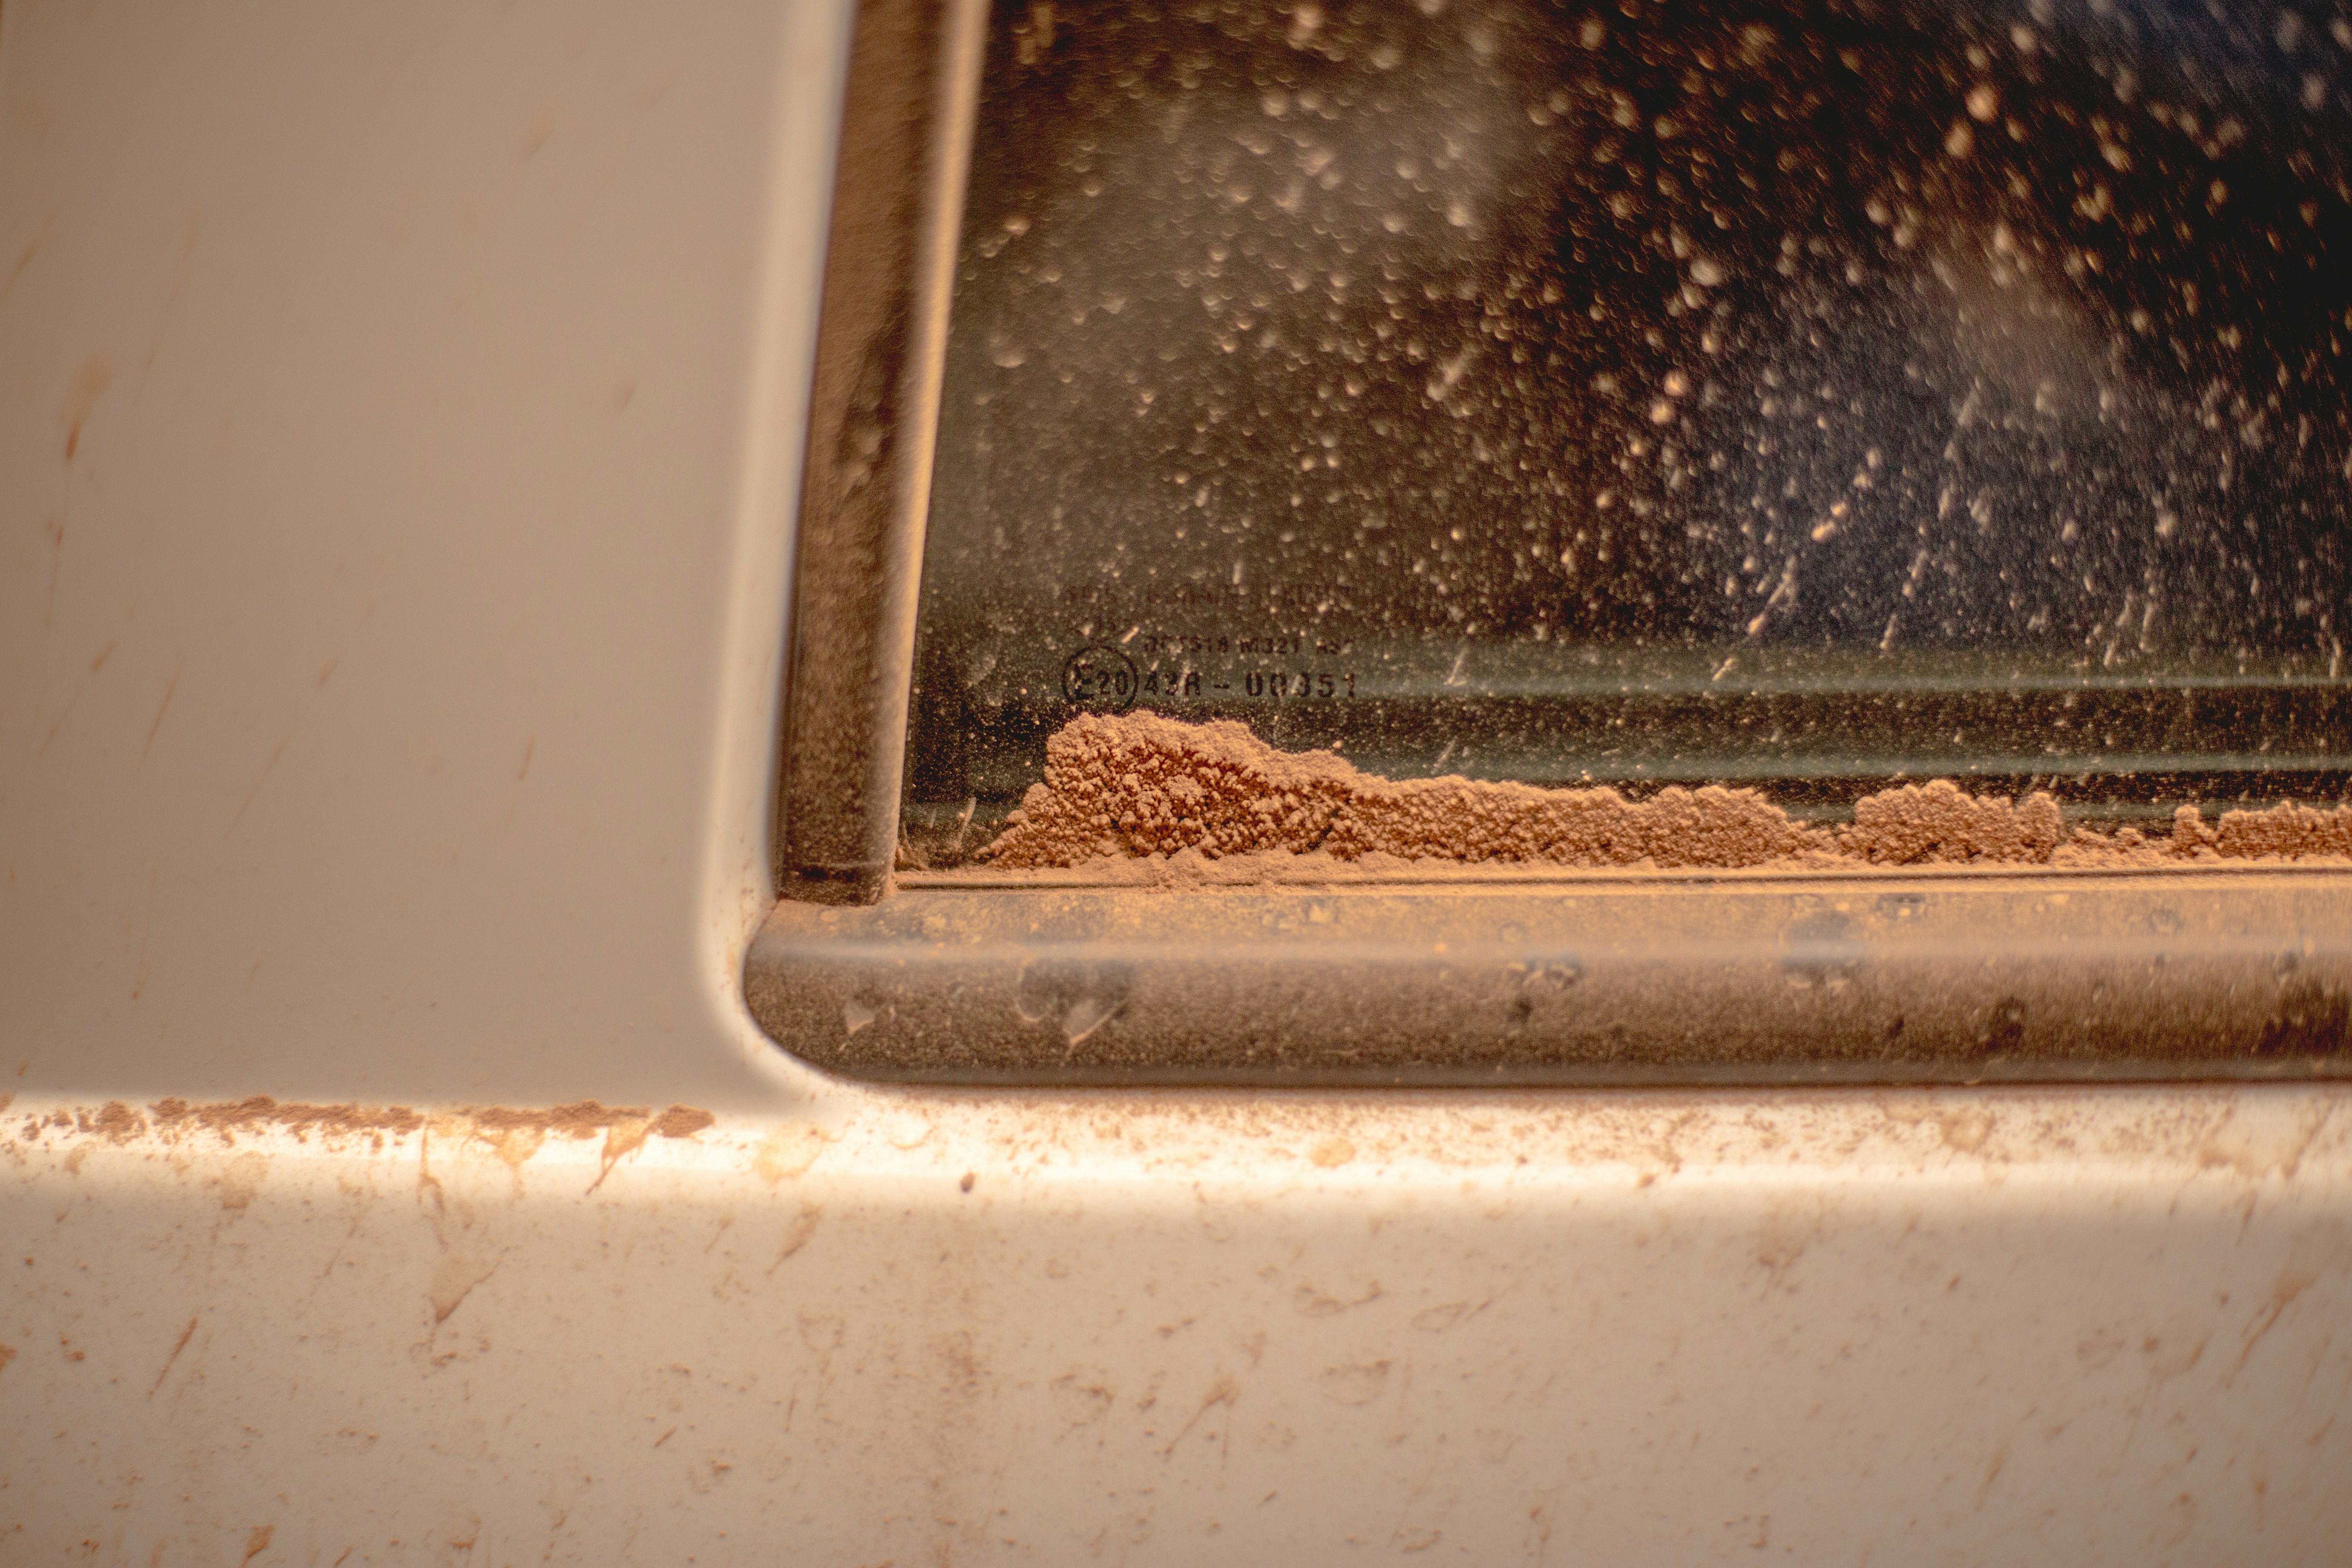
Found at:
<point>1818,397</point>
<point>1483,542</point>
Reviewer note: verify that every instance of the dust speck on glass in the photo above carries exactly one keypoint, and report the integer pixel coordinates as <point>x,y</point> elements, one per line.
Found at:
<point>1810,395</point>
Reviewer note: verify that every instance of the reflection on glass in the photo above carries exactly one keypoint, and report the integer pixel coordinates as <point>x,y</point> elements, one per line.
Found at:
<point>1811,395</point>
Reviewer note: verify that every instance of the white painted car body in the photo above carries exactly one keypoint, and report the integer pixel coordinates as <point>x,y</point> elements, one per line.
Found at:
<point>400,413</point>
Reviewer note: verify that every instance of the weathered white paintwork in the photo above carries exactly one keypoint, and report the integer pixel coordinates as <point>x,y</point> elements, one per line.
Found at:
<point>399,413</point>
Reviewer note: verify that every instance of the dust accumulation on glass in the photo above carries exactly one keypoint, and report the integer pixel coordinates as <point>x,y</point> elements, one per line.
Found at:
<point>1141,786</point>
<point>1817,397</point>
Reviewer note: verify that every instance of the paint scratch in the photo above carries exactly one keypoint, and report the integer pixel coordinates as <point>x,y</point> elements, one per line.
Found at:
<point>256,789</point>
<point>56,532</point>
<point>162,707</point>
<point>185,1335</point>
<point>179,272</point>
<point>88,384</point>
<point>25,259</point>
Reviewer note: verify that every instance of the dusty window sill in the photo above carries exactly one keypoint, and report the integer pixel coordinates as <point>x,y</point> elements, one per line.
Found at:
<point>1964,975</point>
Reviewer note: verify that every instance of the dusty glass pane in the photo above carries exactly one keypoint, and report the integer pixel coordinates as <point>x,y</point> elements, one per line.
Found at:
<point>1810,394</point>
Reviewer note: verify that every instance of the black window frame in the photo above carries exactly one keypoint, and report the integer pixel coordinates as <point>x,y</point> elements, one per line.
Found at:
<point>1764,977</point>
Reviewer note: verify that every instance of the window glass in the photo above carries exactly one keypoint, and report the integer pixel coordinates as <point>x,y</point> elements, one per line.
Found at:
<point>1808,395</point>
